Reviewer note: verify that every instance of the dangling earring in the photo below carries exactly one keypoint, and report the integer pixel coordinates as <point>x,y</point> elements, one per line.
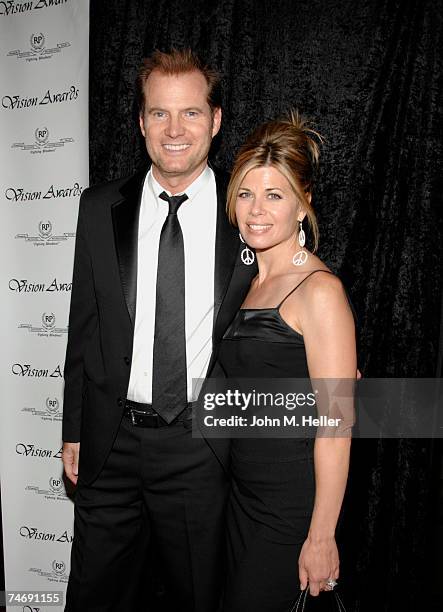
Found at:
<point>247,256</point>
<point>301,256</point>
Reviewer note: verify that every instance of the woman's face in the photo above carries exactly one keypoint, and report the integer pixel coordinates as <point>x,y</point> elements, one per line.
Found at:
<point>267,208</point>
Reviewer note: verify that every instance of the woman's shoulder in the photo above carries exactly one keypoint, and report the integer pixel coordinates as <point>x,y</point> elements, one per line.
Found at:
<point>315,274</point>
<point>321,279</point>
<point>323,302</point>
<point>318,287</point>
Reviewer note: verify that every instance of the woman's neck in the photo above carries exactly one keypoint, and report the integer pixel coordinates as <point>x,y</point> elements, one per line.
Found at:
<point>276,260</point>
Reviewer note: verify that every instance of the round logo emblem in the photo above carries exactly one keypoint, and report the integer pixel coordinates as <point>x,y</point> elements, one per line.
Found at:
<point>41,135</point>
<point>56,484</point>
<point>37,41</point>
<point>48,320</point>
<point>45,229</point>
<point>52,404</point>
<point>58,567</point>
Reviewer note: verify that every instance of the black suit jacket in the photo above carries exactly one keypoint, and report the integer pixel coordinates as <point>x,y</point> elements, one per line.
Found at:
<point>102,312</point>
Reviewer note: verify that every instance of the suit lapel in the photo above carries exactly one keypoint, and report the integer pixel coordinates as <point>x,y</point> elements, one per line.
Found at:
<point>229,278</point>
<point>226,247</point>
<point>125,216</point>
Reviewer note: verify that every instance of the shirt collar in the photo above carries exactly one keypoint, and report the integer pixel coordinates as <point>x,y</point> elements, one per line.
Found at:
<point>191,191</point>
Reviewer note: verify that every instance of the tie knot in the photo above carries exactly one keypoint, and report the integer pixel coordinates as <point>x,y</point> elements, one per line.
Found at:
<point>173,201</point>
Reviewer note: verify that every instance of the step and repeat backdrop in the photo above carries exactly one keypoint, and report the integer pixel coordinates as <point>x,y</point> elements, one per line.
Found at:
<point>44,169</point>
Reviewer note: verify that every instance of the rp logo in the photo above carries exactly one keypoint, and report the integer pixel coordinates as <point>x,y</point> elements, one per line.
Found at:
<point>52,404</point>
<point>45,229</point>
<point>37,41</point>
<point>41,135</point>
<point>56,485</point>
<point>48,319</point>
<point>58,567</point>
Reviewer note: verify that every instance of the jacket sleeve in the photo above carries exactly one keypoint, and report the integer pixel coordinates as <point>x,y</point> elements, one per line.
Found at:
<point>83,319</point>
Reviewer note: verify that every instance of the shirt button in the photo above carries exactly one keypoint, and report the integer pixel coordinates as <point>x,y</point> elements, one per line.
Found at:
<point>127,360</point>
<point>119,402</point>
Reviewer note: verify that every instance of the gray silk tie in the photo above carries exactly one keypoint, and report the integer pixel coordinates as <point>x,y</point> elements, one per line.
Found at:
<point>169,382</point>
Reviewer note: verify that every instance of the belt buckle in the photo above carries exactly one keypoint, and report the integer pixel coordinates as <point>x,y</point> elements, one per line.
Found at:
<point>143,419</point>
<point>134,412</point>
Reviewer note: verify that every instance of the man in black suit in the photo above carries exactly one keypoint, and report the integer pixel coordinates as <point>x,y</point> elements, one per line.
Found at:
<point>157,278</point>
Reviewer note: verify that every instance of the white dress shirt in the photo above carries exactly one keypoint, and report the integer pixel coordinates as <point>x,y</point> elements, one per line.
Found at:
<point>198,217</point>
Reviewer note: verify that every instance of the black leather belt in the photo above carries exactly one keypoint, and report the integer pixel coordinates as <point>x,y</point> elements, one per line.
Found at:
<point>143,415</point>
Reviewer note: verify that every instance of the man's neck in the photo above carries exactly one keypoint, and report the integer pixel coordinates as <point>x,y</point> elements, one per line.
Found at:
<point>177,183</point>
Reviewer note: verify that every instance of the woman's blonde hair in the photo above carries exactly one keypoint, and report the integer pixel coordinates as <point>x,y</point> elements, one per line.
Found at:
<point>289,146</point>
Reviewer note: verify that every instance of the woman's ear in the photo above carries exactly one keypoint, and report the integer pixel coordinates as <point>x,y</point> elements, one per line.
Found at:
<point>301,215</point>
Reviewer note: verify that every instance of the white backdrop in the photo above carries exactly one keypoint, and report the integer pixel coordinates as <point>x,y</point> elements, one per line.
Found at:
<point>44,169</point>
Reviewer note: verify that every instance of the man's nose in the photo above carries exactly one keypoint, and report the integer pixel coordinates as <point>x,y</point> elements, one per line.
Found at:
<point>174,126</point>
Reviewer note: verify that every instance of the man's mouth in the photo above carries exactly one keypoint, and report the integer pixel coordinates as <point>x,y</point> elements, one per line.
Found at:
<point>176,147</point>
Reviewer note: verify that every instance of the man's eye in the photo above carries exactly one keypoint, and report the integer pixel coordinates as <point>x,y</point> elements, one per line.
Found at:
<point>158,114</point>
<point>192,114</point>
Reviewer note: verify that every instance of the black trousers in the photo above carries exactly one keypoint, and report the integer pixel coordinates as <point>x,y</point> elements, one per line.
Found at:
<point>157,485</point>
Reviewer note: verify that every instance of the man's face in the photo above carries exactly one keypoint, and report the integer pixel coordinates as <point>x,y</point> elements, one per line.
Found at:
<point>177,124</point>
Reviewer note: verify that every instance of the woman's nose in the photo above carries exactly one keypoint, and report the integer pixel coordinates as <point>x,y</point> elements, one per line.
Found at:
<point>257,206</point>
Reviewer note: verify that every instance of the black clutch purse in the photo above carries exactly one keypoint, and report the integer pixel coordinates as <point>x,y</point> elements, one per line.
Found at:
<point>326,601</point>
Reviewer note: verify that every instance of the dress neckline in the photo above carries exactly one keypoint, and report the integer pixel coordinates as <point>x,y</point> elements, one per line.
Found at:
<point>268,308</point>
<point>277,310</point>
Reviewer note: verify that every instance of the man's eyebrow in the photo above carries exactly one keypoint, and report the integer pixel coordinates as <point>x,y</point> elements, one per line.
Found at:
<point>151,109</point>
<point>193,108</point>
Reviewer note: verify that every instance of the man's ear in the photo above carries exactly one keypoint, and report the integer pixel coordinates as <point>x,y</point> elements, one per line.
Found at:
<point>216,121</point>
<point>141,124</point>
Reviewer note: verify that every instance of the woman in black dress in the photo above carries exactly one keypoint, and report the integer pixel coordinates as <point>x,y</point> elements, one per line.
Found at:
<point>295,322</point>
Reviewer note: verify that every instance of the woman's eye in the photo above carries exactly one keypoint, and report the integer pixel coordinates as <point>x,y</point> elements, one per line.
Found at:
<point>243,195</point>
<point>274,196</point>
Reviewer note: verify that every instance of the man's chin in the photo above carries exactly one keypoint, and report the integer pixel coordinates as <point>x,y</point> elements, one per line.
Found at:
<point>177,169</point>
<point>174,169</point>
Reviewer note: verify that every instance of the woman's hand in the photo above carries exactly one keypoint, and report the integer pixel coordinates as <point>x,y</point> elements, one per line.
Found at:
<point>317,563</point>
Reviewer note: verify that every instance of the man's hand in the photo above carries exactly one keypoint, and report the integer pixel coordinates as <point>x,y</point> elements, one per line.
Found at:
<point>70,455</point>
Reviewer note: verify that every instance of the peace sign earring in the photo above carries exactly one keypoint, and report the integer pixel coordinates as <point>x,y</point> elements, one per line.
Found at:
<point>247,256</point>
<point>301,256</point>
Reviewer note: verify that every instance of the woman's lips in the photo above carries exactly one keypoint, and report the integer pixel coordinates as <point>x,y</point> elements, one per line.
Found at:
<point>257,228</point>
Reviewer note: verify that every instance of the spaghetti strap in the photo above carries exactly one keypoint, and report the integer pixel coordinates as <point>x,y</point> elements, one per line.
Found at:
<point>354,312</point>
<point>292,290</point>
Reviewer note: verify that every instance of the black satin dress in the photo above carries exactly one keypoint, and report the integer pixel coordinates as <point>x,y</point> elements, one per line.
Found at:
<point>270,508</point>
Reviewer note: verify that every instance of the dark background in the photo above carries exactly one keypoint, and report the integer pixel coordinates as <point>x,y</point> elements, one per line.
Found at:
<point>369,75</point>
